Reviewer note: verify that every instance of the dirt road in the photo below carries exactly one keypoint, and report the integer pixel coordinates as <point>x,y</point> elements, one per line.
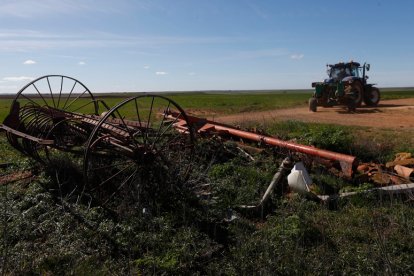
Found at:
<point>397,114</point>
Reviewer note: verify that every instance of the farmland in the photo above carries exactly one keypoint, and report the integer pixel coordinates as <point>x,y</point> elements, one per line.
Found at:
<point>220,103</point>
<point>47,231</point>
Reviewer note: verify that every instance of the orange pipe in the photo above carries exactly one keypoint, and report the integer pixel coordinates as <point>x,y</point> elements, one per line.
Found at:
<point>348,163</point>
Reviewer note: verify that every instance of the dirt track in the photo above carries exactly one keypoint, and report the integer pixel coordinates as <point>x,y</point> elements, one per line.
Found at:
<point>397,114</point>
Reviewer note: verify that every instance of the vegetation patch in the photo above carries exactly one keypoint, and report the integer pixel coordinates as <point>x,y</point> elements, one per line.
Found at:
<point>199,228</point>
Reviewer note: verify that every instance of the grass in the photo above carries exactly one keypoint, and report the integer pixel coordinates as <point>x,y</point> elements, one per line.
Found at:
<point>224,103</point>
<point>46,232</point>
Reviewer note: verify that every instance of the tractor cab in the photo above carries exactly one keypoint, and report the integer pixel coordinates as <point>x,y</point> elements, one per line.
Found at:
<point>337,72</point>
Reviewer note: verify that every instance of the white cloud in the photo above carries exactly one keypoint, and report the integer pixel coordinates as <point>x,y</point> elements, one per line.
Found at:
<point>81,63</point>
<point>146,67</point>
<point>29,62</point>
<point>297,56</point>
<point>160,73</point>
<point>29,40</point>
<point>21,78</point>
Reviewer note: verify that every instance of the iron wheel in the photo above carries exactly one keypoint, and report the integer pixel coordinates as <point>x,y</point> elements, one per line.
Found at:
<point>135,155</point>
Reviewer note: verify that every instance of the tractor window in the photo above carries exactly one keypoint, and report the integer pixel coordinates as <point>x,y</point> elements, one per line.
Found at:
<point>355,72</point>
<point>339,73</point>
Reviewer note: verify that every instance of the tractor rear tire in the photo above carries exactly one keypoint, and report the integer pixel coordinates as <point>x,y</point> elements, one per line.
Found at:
<point>373,96</point>
<point>358,92</point>
<point>313,104</point>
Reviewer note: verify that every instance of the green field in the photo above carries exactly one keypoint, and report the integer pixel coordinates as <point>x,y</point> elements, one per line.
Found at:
<point>226,102</point>
<point>46,230</point>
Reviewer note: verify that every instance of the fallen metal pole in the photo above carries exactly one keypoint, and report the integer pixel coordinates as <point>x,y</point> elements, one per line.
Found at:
<point>347,163</point>
<point>286,164</point>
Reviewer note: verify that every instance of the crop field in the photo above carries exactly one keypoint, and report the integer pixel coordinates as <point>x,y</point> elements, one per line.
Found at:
<point>211,104</point>
<point>195,225</point>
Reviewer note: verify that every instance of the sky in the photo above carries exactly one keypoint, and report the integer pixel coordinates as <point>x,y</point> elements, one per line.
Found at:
<point>186,45</point>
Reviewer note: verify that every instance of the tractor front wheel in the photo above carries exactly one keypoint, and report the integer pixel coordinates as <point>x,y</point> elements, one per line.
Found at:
<point>313,104</point>
<point>372,97</point>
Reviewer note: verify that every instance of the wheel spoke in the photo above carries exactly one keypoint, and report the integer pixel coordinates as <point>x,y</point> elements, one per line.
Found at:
<point>139,120</point>
<point>51,92</point>
<point>157,135</point>
<point>40,94</point>
<point>149,117</point>
<point>80,95</point>
<point>82,106</point>
<point>127,129</point>
<point>114,175</point>
<point>120,186</point>
<point>60,92</point>
<point>167,128</point>
<point>24,96</point>
<point>70,93</point>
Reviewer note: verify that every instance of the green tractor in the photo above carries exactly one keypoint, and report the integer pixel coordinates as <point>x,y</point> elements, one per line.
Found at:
<point>347,85</point>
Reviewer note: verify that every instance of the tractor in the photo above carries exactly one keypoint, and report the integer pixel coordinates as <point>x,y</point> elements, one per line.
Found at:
<point>347,85</point>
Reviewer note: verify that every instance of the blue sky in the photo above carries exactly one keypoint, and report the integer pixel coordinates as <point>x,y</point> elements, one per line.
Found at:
<point>159,45</point>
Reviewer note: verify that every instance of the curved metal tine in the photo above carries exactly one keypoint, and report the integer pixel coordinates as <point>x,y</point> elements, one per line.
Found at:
<point>120,186</point>
<point>51,92</point>
<point>32,124</point>
<point>60,92</point>
<point>140,123</point>
<point>40,94</point>
<point>70,93</point>
<point>157,135</point>
<point>26,113</point>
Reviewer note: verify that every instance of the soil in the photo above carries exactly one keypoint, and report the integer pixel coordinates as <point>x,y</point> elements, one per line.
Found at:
<point>394,114</point>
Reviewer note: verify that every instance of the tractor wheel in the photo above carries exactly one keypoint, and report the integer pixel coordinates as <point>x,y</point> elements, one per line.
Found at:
<point>313,104</point>
<point>358,92</point>
<point>372,98</point>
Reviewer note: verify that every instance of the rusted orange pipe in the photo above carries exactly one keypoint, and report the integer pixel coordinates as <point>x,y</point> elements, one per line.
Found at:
<point>348,163</point>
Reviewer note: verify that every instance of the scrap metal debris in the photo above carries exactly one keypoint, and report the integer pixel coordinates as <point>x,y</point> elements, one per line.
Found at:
<point>13,177</point>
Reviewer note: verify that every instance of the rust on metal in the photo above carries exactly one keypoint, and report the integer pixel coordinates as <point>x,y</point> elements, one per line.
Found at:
<point>26,136</point>
<point>13,177</point>
<point>347,163</point>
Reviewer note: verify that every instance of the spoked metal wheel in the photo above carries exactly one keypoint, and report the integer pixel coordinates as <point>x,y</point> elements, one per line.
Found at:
<point>135,155</point>
<point>40,109</point>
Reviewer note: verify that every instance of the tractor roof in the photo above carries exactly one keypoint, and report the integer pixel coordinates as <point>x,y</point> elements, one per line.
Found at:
<point>344,65</point>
